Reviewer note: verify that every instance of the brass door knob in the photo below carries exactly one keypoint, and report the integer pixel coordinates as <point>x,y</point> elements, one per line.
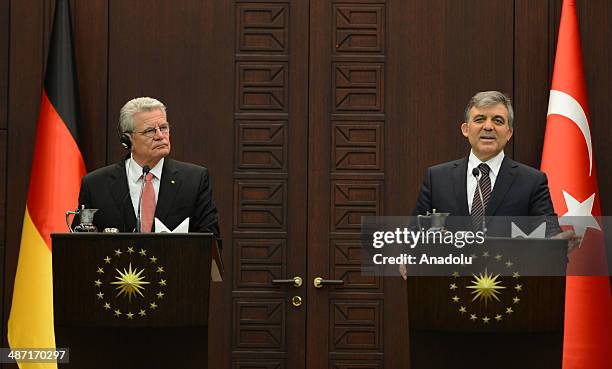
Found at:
<point>296,301</point>
<point>295,281</point>
<point>320,282</point>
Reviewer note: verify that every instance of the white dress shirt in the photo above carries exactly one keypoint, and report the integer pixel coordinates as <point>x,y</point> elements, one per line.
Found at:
<point>473,162</point>
<point>134,178</point>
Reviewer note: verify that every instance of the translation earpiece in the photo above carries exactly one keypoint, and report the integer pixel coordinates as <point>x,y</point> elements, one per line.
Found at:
<point>125,141</point>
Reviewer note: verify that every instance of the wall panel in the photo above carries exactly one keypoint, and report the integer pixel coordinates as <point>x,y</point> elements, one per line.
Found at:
<point>439,59</point>
<point>401,187</point>
<point>595,17</point>
<point>4,61</point>
<point>531,79</point>
<point>171,53</point>
<point>91,53</point>
<point>271,86</point>
<point>3,180</point>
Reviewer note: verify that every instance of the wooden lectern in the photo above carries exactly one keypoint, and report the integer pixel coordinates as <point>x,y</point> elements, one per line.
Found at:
<point>133,300</point>
<point>524,329</point>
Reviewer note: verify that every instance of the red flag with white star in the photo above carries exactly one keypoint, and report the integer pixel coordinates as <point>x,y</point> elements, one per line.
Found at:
<point>568,160</point>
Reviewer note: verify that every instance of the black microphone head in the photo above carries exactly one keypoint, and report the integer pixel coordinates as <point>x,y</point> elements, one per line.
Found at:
<point>475,172</point>
<point>146,169</point>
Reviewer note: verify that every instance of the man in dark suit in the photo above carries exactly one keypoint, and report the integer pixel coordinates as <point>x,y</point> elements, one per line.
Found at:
<point>519,190</point>
<point>484,191</point>
<point>507,188</point>
<point>487,190</point>
<point>172,190</point>
<point>488,184</point>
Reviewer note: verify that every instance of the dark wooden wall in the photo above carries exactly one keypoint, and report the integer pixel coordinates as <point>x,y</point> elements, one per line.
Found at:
<point>440,52</point>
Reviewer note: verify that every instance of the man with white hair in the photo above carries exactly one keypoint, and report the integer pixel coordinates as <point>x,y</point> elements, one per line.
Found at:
<point>146,184</point>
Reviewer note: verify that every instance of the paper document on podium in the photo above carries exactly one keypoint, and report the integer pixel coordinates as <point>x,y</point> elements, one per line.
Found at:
<point>539,232</point>
<point>181,228</point>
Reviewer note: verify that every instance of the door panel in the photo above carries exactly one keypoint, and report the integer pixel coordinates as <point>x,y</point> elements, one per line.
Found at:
<point>346,181</point>
<point>269,225</point>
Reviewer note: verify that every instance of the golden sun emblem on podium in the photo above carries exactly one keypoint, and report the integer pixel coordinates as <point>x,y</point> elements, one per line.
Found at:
<point>486,287</point>
<point>130,283</point>
<point>489,296</point>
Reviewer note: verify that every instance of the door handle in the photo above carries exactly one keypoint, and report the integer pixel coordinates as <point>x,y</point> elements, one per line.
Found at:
<point>320,282</point>
<point>295,281</point>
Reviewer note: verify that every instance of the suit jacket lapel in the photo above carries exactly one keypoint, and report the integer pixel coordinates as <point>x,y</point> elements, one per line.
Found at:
<point>460,186</point>
<point>505,178</point>
<point>121,195</point>
<point>459,173</point>
<point>169,187</point>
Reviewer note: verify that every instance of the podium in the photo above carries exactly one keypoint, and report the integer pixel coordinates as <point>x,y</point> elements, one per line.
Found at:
<point>449,330</point>
<point>133,300</point>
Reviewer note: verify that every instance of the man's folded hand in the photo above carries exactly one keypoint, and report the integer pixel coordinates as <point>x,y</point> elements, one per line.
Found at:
<point>573,239</point>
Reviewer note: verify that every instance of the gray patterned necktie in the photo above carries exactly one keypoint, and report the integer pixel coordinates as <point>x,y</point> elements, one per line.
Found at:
<point>478,208</point>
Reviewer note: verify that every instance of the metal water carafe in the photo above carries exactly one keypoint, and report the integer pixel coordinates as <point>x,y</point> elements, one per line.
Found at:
<point>437,221</point>
<point>85,220</point>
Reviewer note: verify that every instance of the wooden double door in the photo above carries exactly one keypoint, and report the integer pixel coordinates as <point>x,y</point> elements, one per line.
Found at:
<point>310,122</point>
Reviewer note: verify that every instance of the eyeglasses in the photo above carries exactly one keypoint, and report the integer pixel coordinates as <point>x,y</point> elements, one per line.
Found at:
<point>164,129</point>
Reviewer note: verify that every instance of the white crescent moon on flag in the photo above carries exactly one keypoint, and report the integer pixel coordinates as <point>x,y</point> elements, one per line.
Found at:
<point>564,104</point>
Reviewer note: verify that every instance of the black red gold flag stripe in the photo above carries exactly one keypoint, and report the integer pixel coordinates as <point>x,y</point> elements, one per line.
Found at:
<point>57,168</point>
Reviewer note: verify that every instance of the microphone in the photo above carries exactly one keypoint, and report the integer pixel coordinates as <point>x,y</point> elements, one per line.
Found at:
<point>476,173</point>
<point>145,170</point>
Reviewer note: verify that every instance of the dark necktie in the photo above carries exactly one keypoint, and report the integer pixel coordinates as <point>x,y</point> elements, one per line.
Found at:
<point>479,207</point>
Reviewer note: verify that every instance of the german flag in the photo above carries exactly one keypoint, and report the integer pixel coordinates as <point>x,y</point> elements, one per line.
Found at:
<point>57,168</point>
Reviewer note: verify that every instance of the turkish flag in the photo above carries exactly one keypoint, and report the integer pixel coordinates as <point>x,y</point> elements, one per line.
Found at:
<point>568,160</point>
